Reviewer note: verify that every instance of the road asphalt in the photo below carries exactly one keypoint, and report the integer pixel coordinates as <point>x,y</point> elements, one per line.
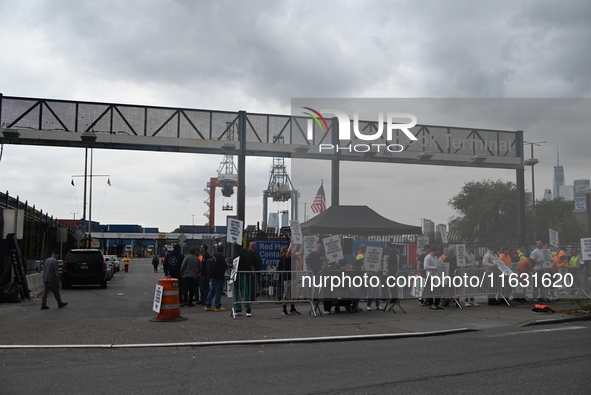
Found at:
<point>266,324</point>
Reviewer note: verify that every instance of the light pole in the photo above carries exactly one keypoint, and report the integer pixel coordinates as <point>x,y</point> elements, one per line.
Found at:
<point>193,226</point>
<point>532,162</point>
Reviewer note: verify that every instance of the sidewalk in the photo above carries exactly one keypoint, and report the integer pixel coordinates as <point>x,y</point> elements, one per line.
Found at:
<point>266,323</point>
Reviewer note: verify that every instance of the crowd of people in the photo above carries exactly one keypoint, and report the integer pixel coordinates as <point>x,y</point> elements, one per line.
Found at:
<point>201,275</point>
<point>317,263</point>
<point>517,258</point>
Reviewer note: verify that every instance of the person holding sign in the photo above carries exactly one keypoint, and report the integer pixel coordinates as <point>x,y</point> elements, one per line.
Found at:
<point>421,268</point>
<point>537,259</point>
<point>373,265</point>
<point>507,259</point>
<point>316,259</point>
<point>285,266</point>
<point>452,262</point>
<point>216,280</point>
<point>488,263</point>
<point>431,267</point>
<point>470,263</point>
<point>241,284</point>
<point>254,264</point>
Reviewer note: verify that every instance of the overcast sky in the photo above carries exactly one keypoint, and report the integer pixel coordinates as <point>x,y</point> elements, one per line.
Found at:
<point>257,56</point>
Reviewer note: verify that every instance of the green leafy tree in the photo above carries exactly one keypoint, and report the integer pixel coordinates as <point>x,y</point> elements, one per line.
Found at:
<point>486,209</point>
<point>557,214</point>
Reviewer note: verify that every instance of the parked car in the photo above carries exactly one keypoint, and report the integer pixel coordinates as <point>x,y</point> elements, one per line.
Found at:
<point>115,260</point>
<point>110,268</point>
<point>84,266</point>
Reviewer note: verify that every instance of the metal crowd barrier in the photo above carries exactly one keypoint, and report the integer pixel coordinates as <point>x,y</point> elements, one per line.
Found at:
<point>257,287</point>
<point>549,283</point>
<point>268,286</point>
<point>348,286</point>
<point>480,281</point>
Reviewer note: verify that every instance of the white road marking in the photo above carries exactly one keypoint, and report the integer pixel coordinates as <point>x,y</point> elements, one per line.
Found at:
<point>566,328</point>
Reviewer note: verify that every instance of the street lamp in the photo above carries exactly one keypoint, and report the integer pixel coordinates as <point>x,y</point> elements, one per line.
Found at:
<point>532,162</point>
<point>193,228</point>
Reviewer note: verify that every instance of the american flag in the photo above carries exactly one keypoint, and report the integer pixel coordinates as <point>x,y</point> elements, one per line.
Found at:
<point>319,204</point>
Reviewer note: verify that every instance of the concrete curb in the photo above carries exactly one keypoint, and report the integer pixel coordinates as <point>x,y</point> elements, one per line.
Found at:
<point>559,320</point>
<point>252,342</point>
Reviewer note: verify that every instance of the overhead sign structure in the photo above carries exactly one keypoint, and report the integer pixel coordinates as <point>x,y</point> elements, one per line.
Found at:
<point>395,131</point>
<point>124,126</point>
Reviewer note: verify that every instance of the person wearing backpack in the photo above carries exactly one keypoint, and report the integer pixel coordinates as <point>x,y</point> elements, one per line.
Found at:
<point>172,265</point>
<point>203,278</point>
<point>155,263</point>
<point>215,270</point>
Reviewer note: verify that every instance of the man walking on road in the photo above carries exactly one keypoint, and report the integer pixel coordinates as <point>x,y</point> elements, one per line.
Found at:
<point>51,281</point>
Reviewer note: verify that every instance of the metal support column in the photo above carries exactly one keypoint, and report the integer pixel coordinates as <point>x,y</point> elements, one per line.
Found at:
<point>241,192</point>
<point>521,205</point>
<point>335,165</point>
<point>520,181</point>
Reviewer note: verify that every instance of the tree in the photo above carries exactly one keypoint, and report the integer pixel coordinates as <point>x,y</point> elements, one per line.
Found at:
<point>486,209</point>
<point>557,214</point>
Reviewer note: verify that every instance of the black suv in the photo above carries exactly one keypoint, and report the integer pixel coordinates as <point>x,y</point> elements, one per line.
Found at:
<point>84,267</point>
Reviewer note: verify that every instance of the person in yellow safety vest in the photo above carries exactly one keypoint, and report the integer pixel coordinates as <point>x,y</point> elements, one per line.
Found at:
<point>126,263</point>
<point>575,258</point>
<point>520,252</point>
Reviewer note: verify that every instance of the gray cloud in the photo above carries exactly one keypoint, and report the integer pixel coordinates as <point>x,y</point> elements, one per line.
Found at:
<point>257,55</point>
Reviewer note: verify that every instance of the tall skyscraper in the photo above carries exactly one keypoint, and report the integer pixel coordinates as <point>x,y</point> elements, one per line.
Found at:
<point>567,192</point>
<point>427,225</point>
<point>558,177</point>
<point>581,184</point>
